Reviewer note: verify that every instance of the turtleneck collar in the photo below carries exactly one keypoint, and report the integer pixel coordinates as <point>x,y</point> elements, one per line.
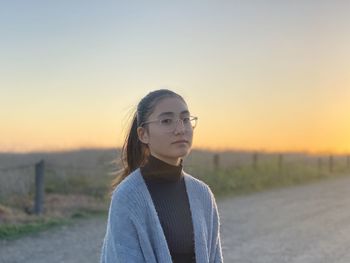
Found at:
<point>158,169</point>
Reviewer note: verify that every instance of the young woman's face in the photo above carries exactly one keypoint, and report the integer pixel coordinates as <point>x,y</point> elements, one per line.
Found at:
<point>160,139</point>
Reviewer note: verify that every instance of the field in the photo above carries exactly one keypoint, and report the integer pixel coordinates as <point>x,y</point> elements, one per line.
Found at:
<point>77,183</point>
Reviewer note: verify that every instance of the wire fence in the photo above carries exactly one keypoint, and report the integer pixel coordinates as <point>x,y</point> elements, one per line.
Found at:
<point>19,167</point>
<point>32,181</point>
<point>92,179</point>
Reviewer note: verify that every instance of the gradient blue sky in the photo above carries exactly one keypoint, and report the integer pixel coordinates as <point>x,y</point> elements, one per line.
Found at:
<point>270,75</point>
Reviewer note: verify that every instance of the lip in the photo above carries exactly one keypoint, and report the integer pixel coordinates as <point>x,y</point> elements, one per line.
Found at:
<point>181,141</point>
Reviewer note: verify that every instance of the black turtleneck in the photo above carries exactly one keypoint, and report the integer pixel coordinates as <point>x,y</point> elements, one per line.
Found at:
<point>166,185</point>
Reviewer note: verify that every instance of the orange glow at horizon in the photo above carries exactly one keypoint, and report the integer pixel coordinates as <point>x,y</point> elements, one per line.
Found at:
<point>205,137</point>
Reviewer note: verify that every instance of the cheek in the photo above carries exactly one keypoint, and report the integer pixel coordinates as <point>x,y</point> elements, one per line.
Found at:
<point>190,134</point>
<point>158,139</point>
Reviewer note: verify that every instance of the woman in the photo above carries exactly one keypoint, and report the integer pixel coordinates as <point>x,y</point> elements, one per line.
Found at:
<point>158,212</point>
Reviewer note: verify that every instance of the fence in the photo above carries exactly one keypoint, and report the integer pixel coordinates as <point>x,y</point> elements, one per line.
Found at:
<point>38,178</point>
<point>321,164</point>
<point>39,184</point>
<point>25,185</point>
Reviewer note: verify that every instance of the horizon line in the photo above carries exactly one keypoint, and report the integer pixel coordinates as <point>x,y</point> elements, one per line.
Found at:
<point>205,149</point>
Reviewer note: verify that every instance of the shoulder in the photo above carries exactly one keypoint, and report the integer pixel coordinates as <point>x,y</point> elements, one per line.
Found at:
<point>128,188</point>
<point>195,181</point>
<point>201,188</point>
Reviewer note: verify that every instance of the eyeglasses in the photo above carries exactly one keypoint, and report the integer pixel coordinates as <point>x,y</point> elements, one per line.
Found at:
<point>169,124</point>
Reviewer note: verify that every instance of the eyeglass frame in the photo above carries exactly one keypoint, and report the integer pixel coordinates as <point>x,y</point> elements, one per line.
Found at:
<point>177,121</point>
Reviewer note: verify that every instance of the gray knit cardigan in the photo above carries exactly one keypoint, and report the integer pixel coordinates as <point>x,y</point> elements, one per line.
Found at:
<point>134,232</point>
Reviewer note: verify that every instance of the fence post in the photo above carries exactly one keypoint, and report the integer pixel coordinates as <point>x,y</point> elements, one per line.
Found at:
<point>255,160</point>
<point>216,161</point>
<point>280,163</point>
<point>319,164</point>
<point>348,162</point>
<point>331,161</point>
<point>39,187</point>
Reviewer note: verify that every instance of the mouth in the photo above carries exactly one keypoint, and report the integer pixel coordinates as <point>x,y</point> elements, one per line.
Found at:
<point>180,141</point>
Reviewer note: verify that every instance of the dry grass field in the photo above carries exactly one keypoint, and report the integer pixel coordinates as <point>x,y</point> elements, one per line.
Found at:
<point>77,182</point>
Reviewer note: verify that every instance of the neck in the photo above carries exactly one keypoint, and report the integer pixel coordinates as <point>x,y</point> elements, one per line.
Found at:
<point>160,170</point>
<point>171,161</point>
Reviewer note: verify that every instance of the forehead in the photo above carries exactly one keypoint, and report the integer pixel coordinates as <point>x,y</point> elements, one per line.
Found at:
<point>170,105</point>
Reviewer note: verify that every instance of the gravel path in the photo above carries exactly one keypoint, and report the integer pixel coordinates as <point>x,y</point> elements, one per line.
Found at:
<point>75,243</point>
<point>309,223</point>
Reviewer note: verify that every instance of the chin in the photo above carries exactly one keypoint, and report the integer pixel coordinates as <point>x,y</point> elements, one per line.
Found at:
<point>181,152</point>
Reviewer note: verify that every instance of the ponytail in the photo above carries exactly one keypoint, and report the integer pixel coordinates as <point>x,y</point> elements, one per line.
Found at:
<point>133,153</point>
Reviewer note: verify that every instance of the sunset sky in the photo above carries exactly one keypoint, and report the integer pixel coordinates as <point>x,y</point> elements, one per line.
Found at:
<point>260,75</point>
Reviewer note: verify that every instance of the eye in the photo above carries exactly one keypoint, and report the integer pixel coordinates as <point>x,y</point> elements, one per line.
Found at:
<point>186,119</point>
<point>166,121</point>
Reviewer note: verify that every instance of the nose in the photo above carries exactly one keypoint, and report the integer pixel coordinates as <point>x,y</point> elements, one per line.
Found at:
<point>182,127</point>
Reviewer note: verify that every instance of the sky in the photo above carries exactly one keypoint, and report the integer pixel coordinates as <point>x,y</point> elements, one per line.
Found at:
<point>260,75</point>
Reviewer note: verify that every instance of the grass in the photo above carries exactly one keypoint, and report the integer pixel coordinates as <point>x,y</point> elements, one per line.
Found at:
<point>223,182</point>
<point>9,231</point>
<point>246,179</point>
<point>89,185</point>
<point>59,210</point>
<point>73,193</point>
<point>13,231</point>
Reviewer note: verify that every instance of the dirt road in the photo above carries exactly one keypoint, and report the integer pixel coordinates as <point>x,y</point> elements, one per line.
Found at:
<point>309,223</point>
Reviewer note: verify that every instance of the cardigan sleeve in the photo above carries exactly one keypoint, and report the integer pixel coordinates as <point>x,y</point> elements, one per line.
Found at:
<point>121,243</point>
<point>218,252</point>
<point>216,232</point>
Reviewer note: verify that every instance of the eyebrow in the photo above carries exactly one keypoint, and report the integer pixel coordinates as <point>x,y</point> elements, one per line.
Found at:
<point>172,113</point>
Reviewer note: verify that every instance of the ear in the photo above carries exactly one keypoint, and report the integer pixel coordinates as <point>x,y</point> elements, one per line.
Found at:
<point>143,135</point>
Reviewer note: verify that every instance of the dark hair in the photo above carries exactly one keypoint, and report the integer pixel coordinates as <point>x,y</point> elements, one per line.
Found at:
<point>134,153</point>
